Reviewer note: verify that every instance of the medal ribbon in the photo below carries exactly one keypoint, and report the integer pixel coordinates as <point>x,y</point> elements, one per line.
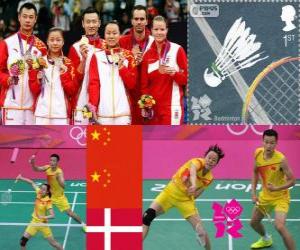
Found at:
<point>93,38</point>
<point>21,44</point>
<point>112,55</point>
<point>134,42</point>
<point>166,50</point>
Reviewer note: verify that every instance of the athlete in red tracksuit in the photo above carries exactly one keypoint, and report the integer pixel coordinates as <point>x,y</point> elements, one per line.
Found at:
<point>138,41</point>
<point>76,57</point>
<point>112,72</point>
<point>164,76</point>
<point>16,97</point>
<point>57,86</point>
<point>80,54</point>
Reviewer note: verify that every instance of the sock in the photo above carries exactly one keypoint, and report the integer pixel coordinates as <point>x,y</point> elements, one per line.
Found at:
<point>267,237</point>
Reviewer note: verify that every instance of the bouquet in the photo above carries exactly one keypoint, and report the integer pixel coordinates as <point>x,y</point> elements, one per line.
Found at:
<point>16,69</point>
<point>39,63</point>
<point>146,104</point>
<point>89,112</point>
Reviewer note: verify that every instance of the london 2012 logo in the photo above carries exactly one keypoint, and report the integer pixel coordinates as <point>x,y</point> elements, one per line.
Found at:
<point>227,218</point>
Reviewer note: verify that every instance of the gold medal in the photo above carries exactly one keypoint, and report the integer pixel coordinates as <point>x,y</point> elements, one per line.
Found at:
<point>115,58</point>
<point>84,40</point>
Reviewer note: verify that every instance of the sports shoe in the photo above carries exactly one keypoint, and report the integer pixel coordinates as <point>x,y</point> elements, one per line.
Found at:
<point>261,243</point>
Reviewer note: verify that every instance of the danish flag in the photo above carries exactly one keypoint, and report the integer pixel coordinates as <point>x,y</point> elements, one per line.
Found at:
<point>114,188</point>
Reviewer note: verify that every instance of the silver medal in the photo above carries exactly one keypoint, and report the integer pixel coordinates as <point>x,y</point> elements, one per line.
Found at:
<point>58,62</point>
<point>27,55</point>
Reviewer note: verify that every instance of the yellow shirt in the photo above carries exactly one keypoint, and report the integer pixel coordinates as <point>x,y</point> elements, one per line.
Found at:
<point>271,172</point>
<point>56,189</point>
<point>42,204</point>
<point>182,176</point>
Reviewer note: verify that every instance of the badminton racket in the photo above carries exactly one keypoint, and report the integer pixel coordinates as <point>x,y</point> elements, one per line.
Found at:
<point>198,228</point>
<point>264,211</point>
<point>200,239</point>
<point>276,90</point>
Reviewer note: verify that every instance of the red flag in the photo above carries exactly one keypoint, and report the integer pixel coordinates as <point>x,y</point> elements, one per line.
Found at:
<point>114,187</point>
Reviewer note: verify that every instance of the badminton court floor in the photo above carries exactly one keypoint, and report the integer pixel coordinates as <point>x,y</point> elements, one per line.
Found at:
<point>170,231</point>
<point>15,216</point>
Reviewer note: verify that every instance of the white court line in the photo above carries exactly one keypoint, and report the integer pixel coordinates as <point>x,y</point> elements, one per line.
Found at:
<point>294,200</point>
<point>113,229</point>
<point>37,224</point>
<point>212,219</point>
<point>69,222</point>
<point>230,243</point>
<point>4,191</point>
<point>205,200</point>
<point>26,203</point>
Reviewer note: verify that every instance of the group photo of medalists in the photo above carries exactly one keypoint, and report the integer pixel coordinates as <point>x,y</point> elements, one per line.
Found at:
<point>138,78</point>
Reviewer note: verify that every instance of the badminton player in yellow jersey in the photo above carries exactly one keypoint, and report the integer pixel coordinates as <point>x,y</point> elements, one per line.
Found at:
<point>56,181</point>
<point>276,176</point>
<point>42,207</point>
<point>192,178</point>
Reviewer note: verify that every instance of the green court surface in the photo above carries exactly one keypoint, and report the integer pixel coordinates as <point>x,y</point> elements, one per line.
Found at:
<point>16,215</point>
<point>171,232</point>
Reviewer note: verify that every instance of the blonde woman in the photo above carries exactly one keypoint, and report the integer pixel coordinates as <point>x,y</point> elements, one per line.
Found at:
<point>164,76</point>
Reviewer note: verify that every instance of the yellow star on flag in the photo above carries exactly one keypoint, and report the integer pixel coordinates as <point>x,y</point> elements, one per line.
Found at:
<point>95,135</point>
<point>106,178</point>
<point>95,176</point>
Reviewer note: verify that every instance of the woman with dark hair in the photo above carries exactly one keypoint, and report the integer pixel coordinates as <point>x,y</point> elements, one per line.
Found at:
<point>55,83</point>
<point>42,212</point>
<point>112,73</point>
<point>188,183</point>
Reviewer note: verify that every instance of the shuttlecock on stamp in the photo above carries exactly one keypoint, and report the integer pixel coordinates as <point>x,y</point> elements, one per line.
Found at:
<point>239,51</point>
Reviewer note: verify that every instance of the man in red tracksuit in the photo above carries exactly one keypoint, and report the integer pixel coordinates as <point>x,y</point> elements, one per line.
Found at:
<point>80,54</point>
<point>16,98</point>
<point>138,41</point>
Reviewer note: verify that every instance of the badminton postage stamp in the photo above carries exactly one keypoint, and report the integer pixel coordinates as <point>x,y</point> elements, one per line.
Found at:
<point>243,62</point>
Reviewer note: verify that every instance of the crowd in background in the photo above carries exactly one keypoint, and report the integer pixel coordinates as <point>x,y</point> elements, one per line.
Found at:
<point>66,13</point>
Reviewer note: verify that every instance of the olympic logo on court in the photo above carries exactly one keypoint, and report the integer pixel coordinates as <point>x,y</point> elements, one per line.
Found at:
<point>254,129</point>
<point>227,216</point>
<point>78,134</point>
<point>233,210</point>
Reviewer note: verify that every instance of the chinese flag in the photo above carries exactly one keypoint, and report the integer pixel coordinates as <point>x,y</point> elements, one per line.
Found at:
<point>114,187</point>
